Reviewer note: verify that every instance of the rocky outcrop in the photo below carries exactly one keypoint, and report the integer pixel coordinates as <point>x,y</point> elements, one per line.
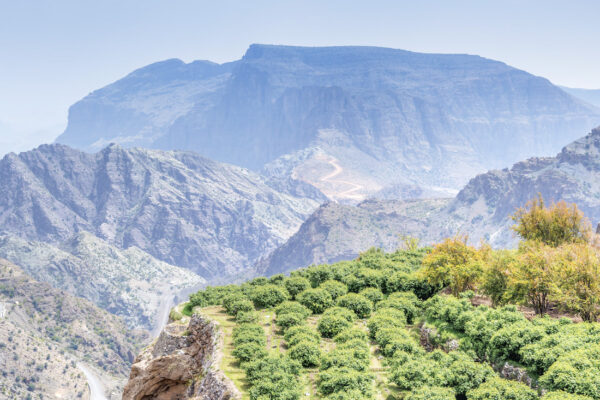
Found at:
<point>182,364</point>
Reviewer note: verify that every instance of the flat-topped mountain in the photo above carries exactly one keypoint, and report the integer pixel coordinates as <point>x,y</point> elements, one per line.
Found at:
<point>179,207</point>
<point>352,121</point>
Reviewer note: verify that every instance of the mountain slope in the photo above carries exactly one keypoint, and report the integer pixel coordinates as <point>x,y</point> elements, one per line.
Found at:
<point>128,283</point>
<point>340,232</point>
<point>181,208</point>
<point>483,208</point>
<point>352,121</point>
<point>44,332</point>
<point>591,96</point>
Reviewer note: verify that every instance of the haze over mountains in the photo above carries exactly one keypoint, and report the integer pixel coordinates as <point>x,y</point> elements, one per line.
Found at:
<point>352,121</point>
<point>482,209</point>
<point>182,174</point>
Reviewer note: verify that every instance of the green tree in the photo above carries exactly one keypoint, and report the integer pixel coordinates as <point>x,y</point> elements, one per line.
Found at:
<point>316,300</point>
<point>268,295</point>
<point>295,285</point>
<point>359,304</point>
<point>502,389</point>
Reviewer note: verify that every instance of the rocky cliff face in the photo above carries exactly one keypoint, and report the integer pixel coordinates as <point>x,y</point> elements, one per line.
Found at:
<point>483,208</point>
<point>182,364</point>
<point>340,232</point>
<point>212,218</point>
<point>370,118</point>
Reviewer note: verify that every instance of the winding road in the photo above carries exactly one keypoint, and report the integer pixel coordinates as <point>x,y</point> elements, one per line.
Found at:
<point>337,170</point>
<point>96,387</point>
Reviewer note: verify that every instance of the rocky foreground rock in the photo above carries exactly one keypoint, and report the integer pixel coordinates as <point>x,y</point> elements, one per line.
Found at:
<point>182,364</point>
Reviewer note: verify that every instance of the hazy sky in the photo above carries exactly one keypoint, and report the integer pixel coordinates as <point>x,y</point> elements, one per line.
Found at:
<point>54,52</point>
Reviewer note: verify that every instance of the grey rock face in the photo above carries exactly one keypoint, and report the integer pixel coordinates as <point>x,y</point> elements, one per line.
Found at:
<point>182,364</point>
<point>181,208</point>
<point>483,208</point>
<point>388,117</point>
<point>337,232</point>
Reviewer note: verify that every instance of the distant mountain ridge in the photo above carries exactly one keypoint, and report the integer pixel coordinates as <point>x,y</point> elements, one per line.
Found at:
<point>212,218</point>
<point>482,210</point>
<point>377,118</point>
<point>591,96</point>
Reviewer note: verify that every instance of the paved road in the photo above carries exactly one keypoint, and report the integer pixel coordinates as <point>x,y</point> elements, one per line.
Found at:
<point>96,387</point>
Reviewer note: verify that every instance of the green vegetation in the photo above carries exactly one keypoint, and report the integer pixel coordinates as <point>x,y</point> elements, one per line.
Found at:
<point>384,326</point>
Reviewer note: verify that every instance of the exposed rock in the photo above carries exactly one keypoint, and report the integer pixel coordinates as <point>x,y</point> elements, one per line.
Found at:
<point>212,218</point>
<point>426,335</point>
<point>181,364</point>
<point>337,232</point>
<point>129,283</point>
<point>516,374</point>
<point>484,207</point>
<point>418,123</point>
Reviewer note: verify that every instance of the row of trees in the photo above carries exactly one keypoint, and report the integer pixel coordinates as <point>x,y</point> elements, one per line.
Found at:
<point>557,262</point>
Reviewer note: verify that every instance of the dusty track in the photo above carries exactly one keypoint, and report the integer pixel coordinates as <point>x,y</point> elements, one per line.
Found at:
<point>330,178</point>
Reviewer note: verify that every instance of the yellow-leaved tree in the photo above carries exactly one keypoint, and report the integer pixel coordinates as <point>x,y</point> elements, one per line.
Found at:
<point>579,279</point>
<point>455,264</point>
<point>560,223</point>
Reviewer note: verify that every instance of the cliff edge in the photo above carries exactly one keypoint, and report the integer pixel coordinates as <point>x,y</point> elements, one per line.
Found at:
<point>182,364</point>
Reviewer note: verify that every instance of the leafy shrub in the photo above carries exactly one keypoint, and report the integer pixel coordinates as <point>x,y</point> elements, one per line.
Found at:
<point>373,294</point>
<point>295,285</point>
<point>316,300</point>
<point>288,320</point>
<point>564,396</point>
<point>407,302</point>
<point>341,312</point>
<point>335,288</point>
<point>340,380</point>
<point>350,334</point>
<point>301,331</point>
<point>431,393</point>
<point>576,372</point>
<point>268,295</point>
<point>331,325</point>
<point>306,352</point>
<point>249,351</point>
<point>244,317</point>
<point>292,307</point>
<point>364,278</point>
<point>359,304</point>
<point>386,318</point>
<point>498,388</point>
